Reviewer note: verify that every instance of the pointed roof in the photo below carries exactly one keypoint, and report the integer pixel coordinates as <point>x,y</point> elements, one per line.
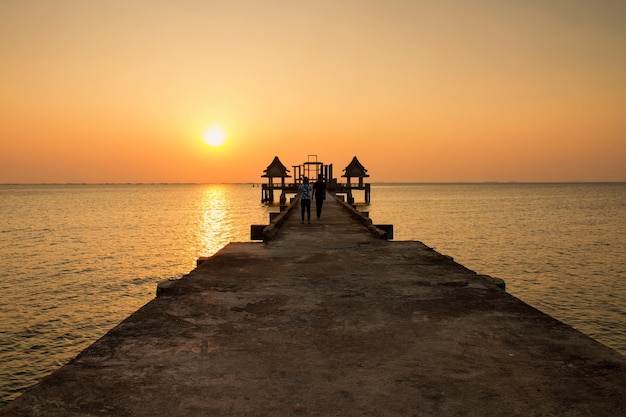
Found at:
<point>355,169</point>
<point>276,169</point>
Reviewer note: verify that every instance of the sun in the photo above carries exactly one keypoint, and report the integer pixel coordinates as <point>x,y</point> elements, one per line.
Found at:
<point>214,136</point>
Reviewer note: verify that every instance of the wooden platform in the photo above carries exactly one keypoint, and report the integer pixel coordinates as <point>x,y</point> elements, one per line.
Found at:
<point>327,320</point>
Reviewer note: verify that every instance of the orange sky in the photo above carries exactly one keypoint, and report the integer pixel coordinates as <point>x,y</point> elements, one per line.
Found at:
<point>421,91</point>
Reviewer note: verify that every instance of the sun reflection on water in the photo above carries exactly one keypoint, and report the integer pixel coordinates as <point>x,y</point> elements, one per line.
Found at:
<point>215,229</point>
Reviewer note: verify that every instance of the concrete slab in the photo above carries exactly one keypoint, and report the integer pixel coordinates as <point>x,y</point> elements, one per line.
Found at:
<point>327,320</point>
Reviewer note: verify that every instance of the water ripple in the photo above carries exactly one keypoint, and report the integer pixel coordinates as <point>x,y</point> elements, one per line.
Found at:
<point>77,260</point>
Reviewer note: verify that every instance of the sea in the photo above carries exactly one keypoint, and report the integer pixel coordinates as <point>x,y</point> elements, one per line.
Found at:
<point>76,260</point>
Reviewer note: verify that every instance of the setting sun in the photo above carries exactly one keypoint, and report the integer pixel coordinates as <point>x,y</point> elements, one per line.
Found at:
<point>214,136</point>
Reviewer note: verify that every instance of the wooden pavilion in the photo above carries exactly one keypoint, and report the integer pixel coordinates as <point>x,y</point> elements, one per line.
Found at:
<point>355,169</point>
<point>275,169</point>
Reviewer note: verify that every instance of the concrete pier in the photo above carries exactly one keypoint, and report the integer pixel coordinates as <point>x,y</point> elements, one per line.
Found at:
<point>326,319</point>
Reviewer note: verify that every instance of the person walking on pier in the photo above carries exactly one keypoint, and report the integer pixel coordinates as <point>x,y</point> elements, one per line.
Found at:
<point>320,194</point>
<point>305,198</point>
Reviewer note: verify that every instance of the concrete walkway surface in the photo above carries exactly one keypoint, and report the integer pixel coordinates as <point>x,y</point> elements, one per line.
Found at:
<point>327,320</point>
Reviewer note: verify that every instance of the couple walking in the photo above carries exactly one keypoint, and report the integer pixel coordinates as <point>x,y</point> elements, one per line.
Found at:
<point>319,188</point>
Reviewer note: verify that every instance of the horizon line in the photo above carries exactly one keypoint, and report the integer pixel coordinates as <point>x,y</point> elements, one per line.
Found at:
<point>262,183</point>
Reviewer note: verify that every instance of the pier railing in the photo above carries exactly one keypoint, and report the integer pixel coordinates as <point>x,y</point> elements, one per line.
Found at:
<point>268,232</point>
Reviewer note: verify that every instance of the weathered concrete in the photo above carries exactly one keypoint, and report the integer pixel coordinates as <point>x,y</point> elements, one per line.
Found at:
<point>327,320</point>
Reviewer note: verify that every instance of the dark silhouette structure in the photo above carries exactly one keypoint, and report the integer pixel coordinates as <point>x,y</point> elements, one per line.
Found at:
<point>313,168</point>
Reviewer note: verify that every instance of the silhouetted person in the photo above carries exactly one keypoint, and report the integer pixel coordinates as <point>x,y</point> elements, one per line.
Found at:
<point>320,194</point>
<point>305,198</point>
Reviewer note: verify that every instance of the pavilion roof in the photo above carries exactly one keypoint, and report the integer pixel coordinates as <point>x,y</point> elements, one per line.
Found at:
<point>276,169</point>
<point>355,169</point>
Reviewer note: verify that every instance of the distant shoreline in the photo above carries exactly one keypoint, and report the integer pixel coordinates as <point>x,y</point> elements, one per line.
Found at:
<point>259,183</point>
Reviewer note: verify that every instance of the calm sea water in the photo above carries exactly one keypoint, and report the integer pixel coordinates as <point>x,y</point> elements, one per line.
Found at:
<point>75,260</point>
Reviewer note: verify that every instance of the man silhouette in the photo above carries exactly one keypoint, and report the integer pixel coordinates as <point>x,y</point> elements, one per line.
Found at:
<point>320,194</point>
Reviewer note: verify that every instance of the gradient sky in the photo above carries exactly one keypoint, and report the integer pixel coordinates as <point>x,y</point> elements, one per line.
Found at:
<point>420,91</point>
